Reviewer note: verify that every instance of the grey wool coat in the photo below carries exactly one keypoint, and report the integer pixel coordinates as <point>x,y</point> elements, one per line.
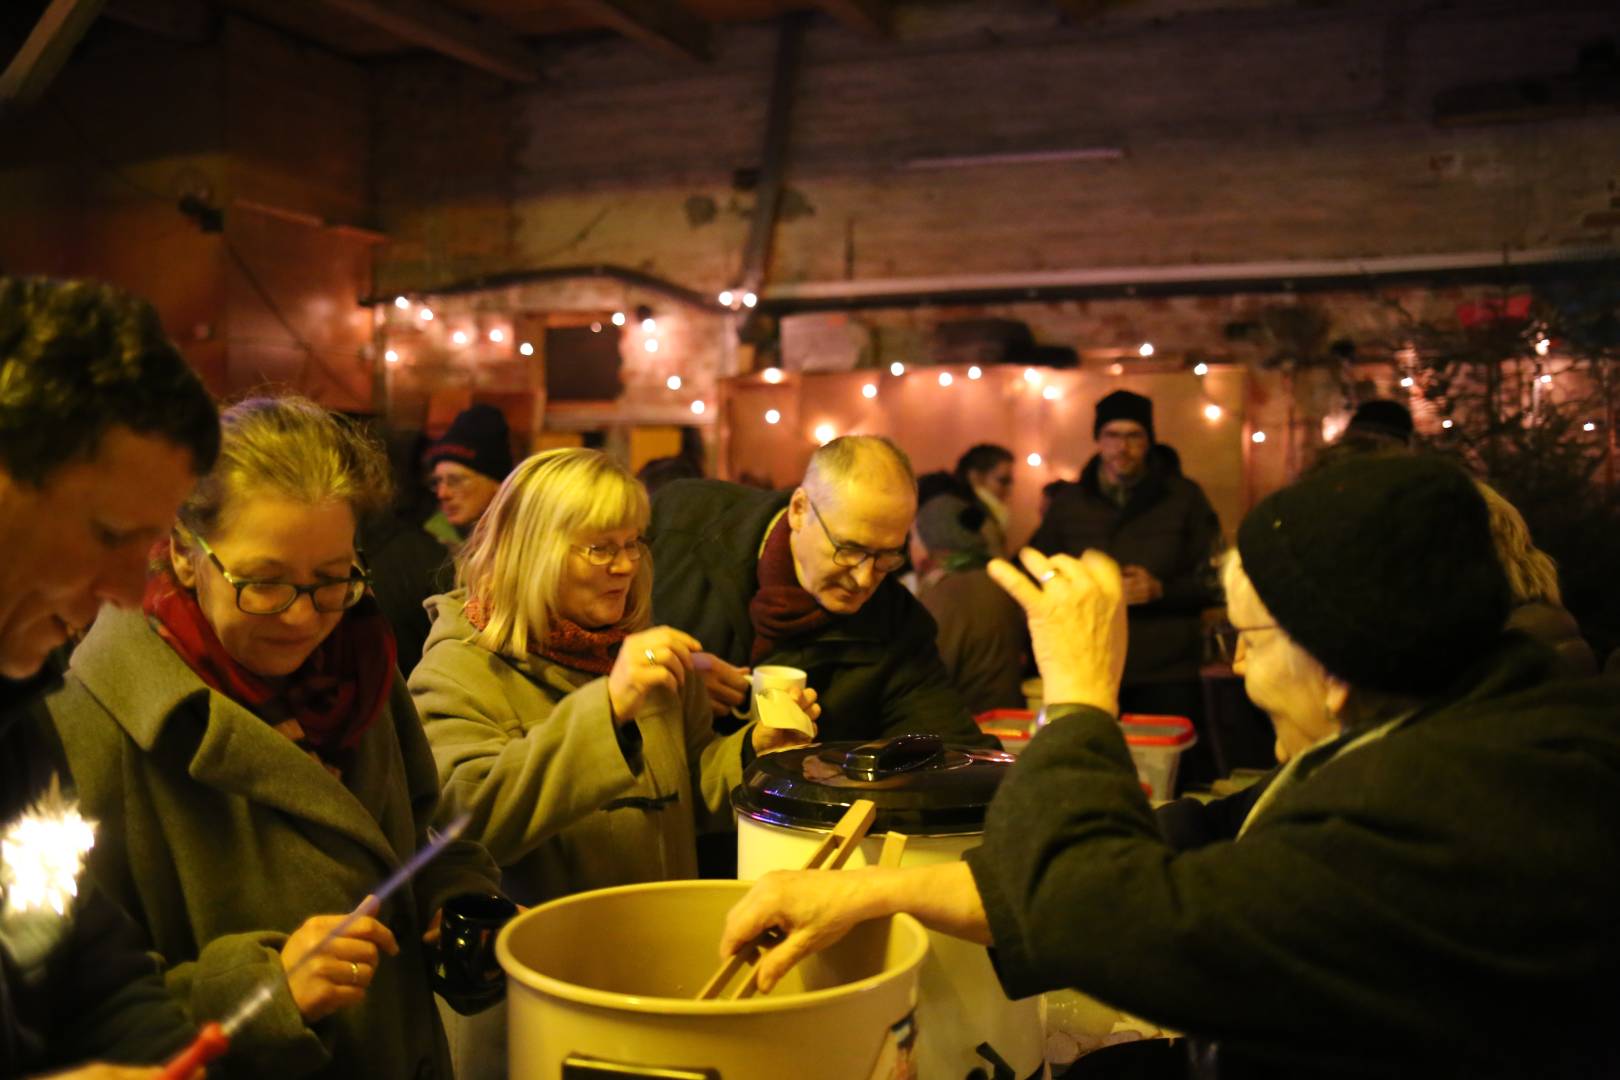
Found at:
<point>221,837</point>
<point>562,801</point>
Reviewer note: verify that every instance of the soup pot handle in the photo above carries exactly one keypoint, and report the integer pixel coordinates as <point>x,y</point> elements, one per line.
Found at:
<point>575,1067</point>
<point>887,757</point>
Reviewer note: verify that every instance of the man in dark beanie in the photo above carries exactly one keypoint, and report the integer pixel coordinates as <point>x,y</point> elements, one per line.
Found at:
<point>466,467</point>
<point>1382,422</point>
<point>1161,529</point>
<point>1426,888</point>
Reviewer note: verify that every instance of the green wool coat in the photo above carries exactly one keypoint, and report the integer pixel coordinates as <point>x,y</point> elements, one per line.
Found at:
<point>528,748</point>
<point>221,836</point>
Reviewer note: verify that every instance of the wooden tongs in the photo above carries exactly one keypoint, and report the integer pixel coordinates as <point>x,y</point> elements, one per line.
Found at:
<point>834,852</point>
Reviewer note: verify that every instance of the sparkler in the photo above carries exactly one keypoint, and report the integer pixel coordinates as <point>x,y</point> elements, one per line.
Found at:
<point>42,854</point>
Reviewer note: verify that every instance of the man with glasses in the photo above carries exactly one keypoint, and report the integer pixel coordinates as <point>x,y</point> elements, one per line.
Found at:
<point>466,467</point>
<point>103,430</point>
<point>804,579</point>
<point>1160,528</point>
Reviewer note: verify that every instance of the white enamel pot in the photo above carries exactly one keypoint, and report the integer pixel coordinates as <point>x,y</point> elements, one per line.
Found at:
<point>937,795</point>
<point>601,985</point>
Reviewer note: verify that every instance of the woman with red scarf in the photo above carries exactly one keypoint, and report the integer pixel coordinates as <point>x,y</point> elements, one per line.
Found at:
<point>580,741</point>
<point>256,763</point>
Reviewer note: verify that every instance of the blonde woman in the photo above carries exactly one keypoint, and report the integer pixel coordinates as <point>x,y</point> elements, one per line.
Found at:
<point>1538,603</point>
<point>256,765</point>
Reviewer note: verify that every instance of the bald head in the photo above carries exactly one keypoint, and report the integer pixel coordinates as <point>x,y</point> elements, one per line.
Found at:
<point>850,519</point>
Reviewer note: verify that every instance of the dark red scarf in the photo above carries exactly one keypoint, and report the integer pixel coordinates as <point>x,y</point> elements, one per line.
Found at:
<point>567,642</point>
<point>336,695</point>
<point>782,608</point>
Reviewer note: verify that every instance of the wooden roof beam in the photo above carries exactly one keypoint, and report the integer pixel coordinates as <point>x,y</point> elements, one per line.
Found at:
<point>49,44</point>
<point>663,24</point>
<point>873,17</point>
<point>424,23</point>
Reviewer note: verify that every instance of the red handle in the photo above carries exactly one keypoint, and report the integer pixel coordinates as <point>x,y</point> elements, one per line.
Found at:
<point>209,1044</point>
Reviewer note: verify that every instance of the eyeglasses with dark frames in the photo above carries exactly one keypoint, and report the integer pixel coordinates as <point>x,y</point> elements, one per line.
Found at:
<point>608,554</point>
<point>329,595</point>
<point>852,555</point>
<point>1227,638</point>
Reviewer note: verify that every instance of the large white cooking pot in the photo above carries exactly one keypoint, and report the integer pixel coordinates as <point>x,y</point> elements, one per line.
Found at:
<point>601,984</point>
<point>937,795</point>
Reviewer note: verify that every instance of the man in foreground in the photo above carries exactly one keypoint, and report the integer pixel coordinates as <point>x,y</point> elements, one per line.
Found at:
<point>103,430</point>
<point>1426,887</point>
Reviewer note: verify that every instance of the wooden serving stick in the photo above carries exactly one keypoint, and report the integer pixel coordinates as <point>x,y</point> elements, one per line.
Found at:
<point>834,851</point>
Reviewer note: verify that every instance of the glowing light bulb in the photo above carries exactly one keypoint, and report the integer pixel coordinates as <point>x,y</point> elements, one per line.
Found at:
<point>772,375</point>
<point>651,344</point>
<point>1446,424</point>
<point>897,368</point>
<point>869,390</point>
<point>1407,381</point>
<point>401,303</point>
<point>1116,369</point>
<point>1589,426</point>
<point>945,378</point>
<point>749,299</point>
<point>1145,349</point>
<point>460,337</point>
<point>974,372</point>
<point>697,408</point>
<point>497,335</point>
<point>1545,379</point>
<point>426,314</point>
<point>391,356</point>
<point>649,326</point>
<point>825,433</point>
<point>1542,346</point>
<point>1200,369</point>
<point>673,382</point>
<point>1034,461</point>
<point>1031,375</point>
<point>1212,411</point>
<point>772,416</point>
<point>725,298</point>
<point>596,328</point>
<point>527,349</point>
<point>1258,437</point>
<point>1051,393</point>
<point>618,318</point>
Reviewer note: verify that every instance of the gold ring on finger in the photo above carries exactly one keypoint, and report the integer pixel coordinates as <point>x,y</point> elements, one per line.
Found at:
<point>651,659</point>
<point>354,973</point>
<point>1048,576</point>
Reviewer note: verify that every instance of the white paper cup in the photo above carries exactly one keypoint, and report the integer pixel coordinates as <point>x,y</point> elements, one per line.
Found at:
<point>776,677</point>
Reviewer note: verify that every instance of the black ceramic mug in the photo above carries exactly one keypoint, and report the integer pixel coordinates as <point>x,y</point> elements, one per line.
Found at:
<point>465,971</point>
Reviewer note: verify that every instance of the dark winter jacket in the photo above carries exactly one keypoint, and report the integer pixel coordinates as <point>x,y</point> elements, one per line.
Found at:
<point>97,994</point>
<point>876,672</point>
<point>1438,901</point>
<point>1166,526</point>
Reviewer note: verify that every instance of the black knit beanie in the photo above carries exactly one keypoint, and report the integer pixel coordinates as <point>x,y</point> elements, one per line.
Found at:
<point>1382,568</point>
<point>479,439</point>
<point>1124,405</point>
<point>1383,419</point>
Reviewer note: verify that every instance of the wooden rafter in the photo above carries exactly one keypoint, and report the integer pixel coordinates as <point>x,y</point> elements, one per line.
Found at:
<point>875,17</point>
<point>48,47</point>
<point>435,27</point>
<point>662,24</point>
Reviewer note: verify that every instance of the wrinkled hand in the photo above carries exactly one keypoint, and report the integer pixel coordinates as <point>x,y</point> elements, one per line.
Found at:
<point>1076,623</point>
<point>812,908</point>
<point>339,976</point>
<point>1141,587</point>
<point>727,685</point>
<point>115,1072</point>
<point>660,657</point>
<point>767,739</point>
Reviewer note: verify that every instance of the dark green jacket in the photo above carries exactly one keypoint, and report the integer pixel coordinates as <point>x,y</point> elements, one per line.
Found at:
<point>876,672</point>
<point>1441,901</point>
<point>1166,526</point>
<point>221,837</point>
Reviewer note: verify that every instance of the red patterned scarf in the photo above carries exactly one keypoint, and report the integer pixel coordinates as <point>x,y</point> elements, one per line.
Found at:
<point>567,643</point>
<point>336,695</point>
<point>782,608</point>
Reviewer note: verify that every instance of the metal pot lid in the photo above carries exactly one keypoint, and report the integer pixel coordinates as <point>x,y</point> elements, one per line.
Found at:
<point>921,785</point>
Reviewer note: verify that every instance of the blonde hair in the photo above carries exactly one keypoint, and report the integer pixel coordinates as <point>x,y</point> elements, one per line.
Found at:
<point>1532,574</point>
<point>292,447</point>
<point>515,559</point>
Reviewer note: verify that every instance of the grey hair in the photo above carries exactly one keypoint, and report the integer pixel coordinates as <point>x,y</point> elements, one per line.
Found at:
<point>854,459</point>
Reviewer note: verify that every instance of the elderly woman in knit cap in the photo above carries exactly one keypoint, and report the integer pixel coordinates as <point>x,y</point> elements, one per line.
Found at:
<point>256,766</point>
<point>1426,887</point>
<point>579,738</point>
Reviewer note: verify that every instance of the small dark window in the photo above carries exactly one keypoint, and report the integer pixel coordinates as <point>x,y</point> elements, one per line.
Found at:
<point>582,364</point>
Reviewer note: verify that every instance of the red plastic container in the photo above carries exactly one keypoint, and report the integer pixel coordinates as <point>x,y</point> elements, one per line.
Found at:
<point>1156,744</point>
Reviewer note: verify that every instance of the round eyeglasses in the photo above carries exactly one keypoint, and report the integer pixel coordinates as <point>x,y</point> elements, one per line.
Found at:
<point>273,597</point>
<point>608,554</point>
